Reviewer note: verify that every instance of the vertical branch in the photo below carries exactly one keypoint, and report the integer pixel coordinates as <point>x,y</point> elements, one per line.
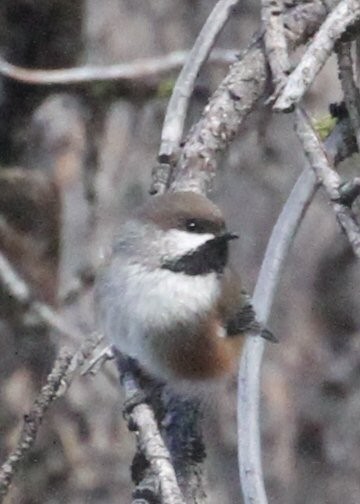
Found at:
<point>175,116</point>
<point>161,482</point>
<point>183,435</point>
<point>251,475</point>
<point>337,147</point>
<point>178,104</point>
<point>272,14</point>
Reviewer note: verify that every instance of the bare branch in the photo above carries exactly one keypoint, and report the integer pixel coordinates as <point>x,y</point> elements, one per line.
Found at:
<point>343,15</point>
<point>232,102</point>
<point>178,104</point>
<point>328,178</point>
<point>272,13</point>
<point>32,421</point>
<point>65,368</point>
<point>280,241</point>
<point>252,480</point>
<point>350,90</point>
<point>139,69</point>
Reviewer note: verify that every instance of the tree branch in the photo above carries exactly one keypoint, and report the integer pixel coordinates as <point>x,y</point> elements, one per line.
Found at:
<point>272,14</point>
<point>162,484</point>
<point>33,420</point>
<point>234,99</point>
<point>299,81</point>
<point>328,178</point>
<point>338,147</point>
<point>139,69</point>
<point>252,480</point>
<point>178,104</point>
<point>65,368</point>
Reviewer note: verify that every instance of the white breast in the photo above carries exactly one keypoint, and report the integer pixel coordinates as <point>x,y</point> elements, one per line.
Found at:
<point>161,297</point>
<point>144,300</point>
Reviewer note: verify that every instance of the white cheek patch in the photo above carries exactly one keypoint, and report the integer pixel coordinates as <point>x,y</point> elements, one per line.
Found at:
<point>178,243</point>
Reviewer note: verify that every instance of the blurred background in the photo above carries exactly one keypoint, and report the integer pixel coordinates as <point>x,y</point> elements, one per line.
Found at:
<point>74,159</point>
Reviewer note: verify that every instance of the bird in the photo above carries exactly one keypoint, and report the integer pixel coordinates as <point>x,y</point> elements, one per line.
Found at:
<point>168,297</point>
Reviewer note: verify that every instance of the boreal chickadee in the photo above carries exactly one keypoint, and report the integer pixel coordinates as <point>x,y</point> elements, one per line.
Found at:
<point>167,296</point>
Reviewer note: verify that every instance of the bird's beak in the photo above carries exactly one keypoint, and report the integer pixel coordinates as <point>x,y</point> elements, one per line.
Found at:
<point>229,236</point>
<point>220,241</point>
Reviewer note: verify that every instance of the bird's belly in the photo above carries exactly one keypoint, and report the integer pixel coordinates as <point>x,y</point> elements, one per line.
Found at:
<point>163,320</point>
<point>193,354</point>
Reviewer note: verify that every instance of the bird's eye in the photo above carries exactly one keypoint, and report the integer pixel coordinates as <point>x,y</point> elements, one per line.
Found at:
<point>192,226</point>
<point>199,225</point>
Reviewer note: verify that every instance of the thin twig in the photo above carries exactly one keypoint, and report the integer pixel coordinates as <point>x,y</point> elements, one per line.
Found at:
<point>328,177</point>
<point>65,368</point>
<point>82,355</point>
<point>139,69</point>
<point>343,15</point>
<point>251,473</point>
<point>32,421</point>
<point>178,104</point>
<point>272,14</point>
<point>349,87</point>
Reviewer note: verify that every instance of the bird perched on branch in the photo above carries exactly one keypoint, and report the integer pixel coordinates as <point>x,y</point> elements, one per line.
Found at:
<point>167,296</point>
